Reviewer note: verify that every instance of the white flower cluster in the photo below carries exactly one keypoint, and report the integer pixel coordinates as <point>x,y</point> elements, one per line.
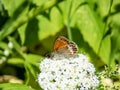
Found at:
<point>68,74</point>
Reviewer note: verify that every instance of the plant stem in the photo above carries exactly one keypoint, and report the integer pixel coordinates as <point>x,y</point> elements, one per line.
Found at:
<point>68,22</point>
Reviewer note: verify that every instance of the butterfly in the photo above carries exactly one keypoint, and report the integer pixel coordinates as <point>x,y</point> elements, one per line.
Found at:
<point>64,48</point>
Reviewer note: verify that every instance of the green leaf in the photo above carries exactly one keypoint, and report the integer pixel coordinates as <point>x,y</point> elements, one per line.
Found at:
<point>31,71</point>
<point>22,33</point>
<point>15,21</point>
<point>54,24</point>
<point>105,50</point>
<point>32,62</point>
<point>84,19</point>
<point>89,26</point>
<point>115,38</point>
<point>4,45</point>
<point>115,6</point>
<point>1,52</point>
<point>9,86</point>
<point>39,2</point>
<point>27,35</point>
<point>103,7</point>
<point>33,59</point>
<point>16,61</point>
<point>12,6</point>
<point>68,9</point>
<point>17,46</point>
<point>43,27</point>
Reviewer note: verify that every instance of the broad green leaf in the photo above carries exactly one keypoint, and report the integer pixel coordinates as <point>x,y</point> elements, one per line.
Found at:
<point>87,22</point>
<point>89,26</point>
<point>42,27</point>
<point>68,9</point>
<point>83,18</point>
<point>11,26</point>
<point>32,62</point>
<point>29,32</point>
<point>33,59</point>
<point>17,46</point>
<point>9,86</point>
<point>39,2</point>
<point>115,38</point>
<point>50,27</point>
<point>30,69</point>
<point>16,61</point>
<point>105,49</point>
<point>12,5</point>
<point>103,7</point>
<point>4,45</point>
<point>22,33</point>
<point>1,52</point>
<point>115,6</point>
<point>92,3</point>
<point>115,22</point>
<point>14,22</point>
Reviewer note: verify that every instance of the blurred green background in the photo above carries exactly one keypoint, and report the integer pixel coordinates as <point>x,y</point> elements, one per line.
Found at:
<point>28,29</point>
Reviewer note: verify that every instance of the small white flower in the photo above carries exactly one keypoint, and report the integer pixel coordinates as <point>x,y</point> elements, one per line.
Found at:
<point>10,45</point>
<point>2,60</point>
<point>68,74</point>
<point>6,53</point>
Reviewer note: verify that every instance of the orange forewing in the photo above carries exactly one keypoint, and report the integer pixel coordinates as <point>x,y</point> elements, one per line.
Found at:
<point>60,43</point>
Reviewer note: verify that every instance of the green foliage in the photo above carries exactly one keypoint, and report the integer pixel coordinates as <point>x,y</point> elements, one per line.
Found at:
<point>9,86</point>
<point>110,79</point>
<point>33,25</point>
